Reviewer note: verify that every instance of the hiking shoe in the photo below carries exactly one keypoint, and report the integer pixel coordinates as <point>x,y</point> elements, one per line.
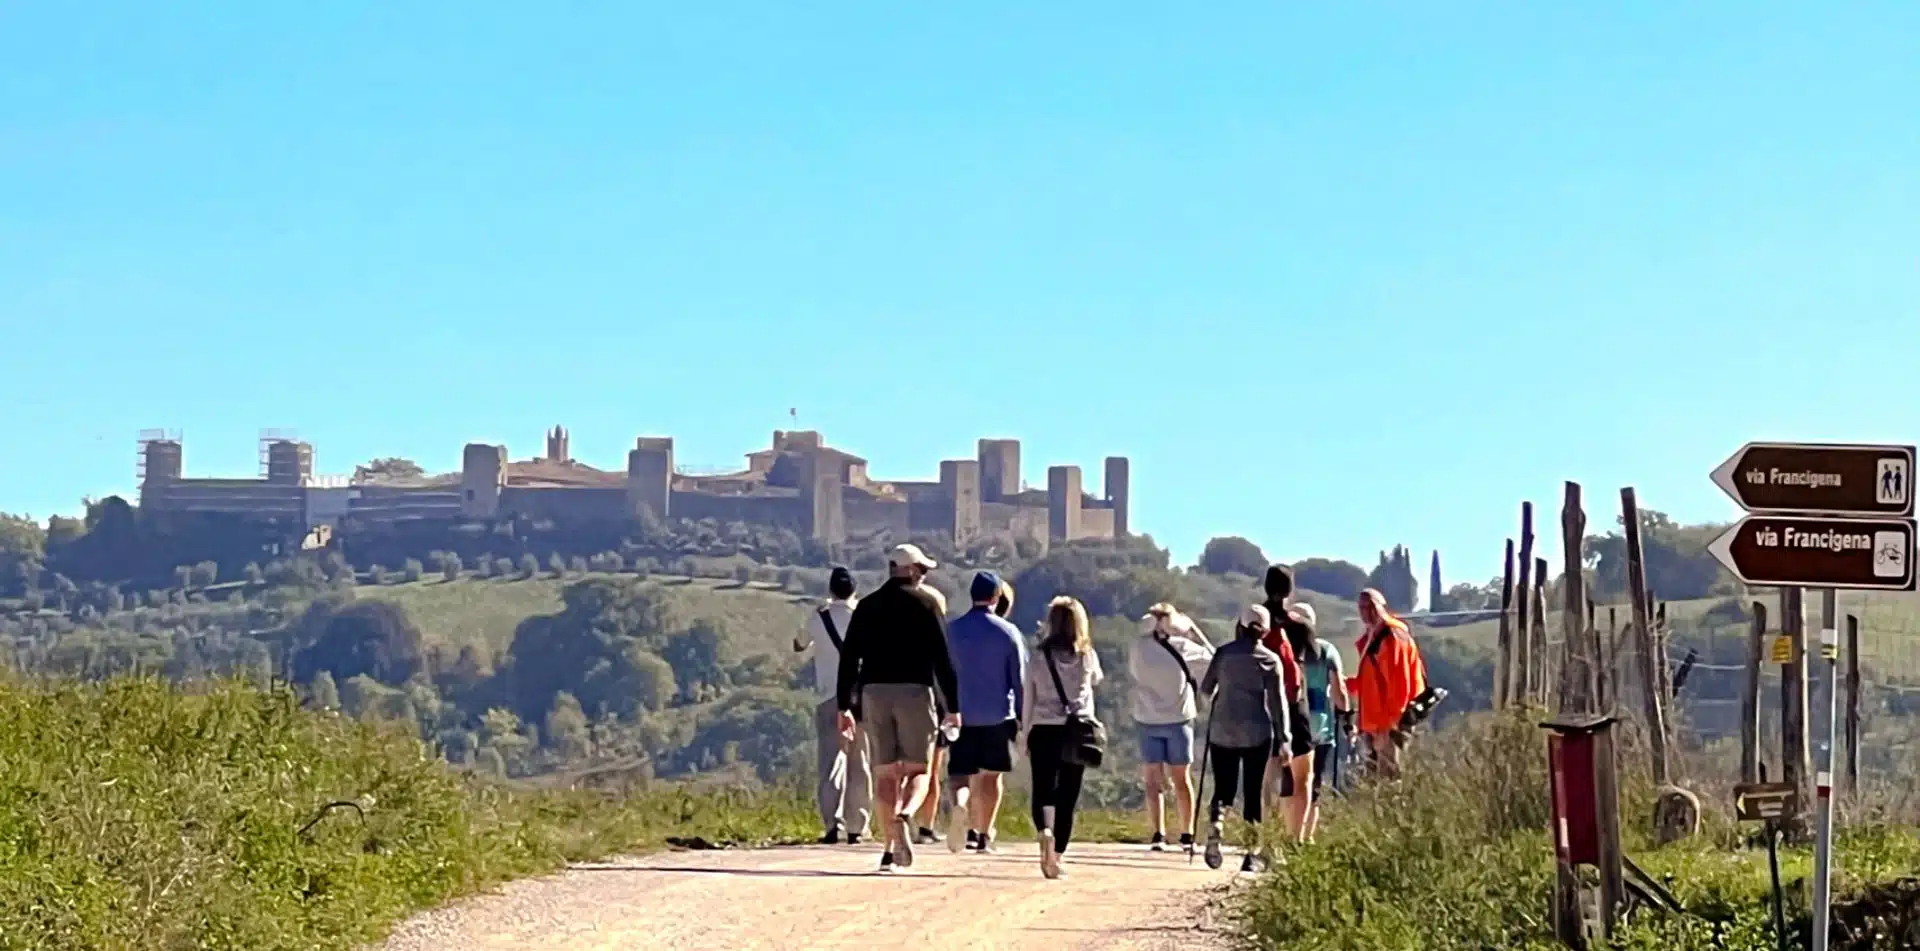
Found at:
<point>853,838</point>
<point>1049,860</point>
<point>886,862</point>
<point>973,840</point>
<point>927,836</point>
<point>832,837</point>
<point>959,837</point>
<point>1186,842</point>
<point>1247,864</point>
<point>984,846</point>
<point>903,854</point>
<point>1159,843</point>
<point>1214,858</point>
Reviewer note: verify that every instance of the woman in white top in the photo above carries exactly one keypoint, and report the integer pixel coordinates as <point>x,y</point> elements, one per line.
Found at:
<point>1164,664</point>
<point>1066,647</point>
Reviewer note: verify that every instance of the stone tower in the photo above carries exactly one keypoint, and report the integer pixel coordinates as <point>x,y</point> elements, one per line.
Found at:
<point>160,463</point>
<point>289,462</point>
<point>1115,485</point>
<point>557,449</point>
<point>1063,503</point>
<point>999,469</point>
<point>650,476</point>
<point>960,483</point>
<point>826,505</point>
<point>483,473</point>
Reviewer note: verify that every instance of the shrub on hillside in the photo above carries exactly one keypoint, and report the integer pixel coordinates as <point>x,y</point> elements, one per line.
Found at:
<point>1232,554</point>
<point>350,638</point>
<point>1330,576</point>
<point>413,570</point>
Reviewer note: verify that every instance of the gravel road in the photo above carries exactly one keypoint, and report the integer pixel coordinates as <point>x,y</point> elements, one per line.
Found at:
<point>1113,898</point>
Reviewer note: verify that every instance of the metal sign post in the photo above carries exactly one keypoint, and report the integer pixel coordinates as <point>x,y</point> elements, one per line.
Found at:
<point>1829,516</point>
<point>1823,770</point>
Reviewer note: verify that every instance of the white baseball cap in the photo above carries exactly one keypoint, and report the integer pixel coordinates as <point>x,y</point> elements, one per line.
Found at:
<point>904,555</point>
<point>1304,613</point>
<point>1255,616</point>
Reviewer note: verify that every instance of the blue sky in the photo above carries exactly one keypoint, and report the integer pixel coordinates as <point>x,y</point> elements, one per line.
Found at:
<point>1335,280</point>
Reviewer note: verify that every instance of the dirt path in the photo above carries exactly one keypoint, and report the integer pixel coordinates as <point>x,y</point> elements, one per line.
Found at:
<point>1114,898</point>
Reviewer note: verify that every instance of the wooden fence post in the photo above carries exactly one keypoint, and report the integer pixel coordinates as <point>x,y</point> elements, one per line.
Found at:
<point>1796,752</point>
<point>1750,697</point>
<point>1579,659</point>
<point>1542,672</point>
<point>1602,674</point>
<point>1523,641</point>
<point>1503,659</point>
<point>1651,661</point>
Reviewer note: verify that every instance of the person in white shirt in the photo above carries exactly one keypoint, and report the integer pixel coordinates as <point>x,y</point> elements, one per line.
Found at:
<point>1164,663</point>
<point>845,771</point>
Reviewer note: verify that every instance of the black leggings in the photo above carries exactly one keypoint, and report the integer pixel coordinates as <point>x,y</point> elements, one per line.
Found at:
<point>1055,783</point>
<point>1245,767</point>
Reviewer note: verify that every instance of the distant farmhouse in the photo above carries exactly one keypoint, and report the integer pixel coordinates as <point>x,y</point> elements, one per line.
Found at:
<point>798,482</point>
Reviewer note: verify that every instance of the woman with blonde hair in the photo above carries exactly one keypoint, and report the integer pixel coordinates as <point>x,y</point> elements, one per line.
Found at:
<point>1391,675</point>
<point>1059,687</point>
<point>1003,605</point>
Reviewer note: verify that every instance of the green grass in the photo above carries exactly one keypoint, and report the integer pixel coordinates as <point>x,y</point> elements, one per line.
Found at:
<point>485,611</point>
<point>1457,858</point>
<point>136,815</point>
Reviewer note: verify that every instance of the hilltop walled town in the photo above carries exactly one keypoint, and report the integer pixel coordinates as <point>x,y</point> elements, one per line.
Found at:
<point>797,482</point>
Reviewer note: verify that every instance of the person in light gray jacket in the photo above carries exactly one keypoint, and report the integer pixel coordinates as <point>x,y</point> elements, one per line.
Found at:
<point>1164,663</point>
<point>1248,725</point>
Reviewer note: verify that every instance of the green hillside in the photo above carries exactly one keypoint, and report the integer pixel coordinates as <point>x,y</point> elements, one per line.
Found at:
<point>485,611</point>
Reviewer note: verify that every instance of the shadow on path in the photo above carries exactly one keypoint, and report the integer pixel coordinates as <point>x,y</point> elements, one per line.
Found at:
<point>753,872</point>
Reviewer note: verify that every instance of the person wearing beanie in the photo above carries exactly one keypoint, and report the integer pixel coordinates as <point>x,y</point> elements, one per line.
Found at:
<point>845,781</point>
<point>990,664</point>
<point>1249,726</point>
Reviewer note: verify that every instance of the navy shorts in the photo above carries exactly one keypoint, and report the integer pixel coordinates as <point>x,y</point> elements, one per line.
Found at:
<point>1167,744</point>
<point>983,749</point>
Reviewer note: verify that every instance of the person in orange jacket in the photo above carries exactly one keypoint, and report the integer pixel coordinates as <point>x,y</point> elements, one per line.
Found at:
<point>1391,674</point>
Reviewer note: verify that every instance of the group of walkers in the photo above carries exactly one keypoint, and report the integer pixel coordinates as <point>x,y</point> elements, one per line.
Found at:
<point>907,695</point>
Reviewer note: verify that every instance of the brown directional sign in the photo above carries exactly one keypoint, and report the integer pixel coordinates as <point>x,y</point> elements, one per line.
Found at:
<point>1821,479</point>
<point>1759,802</point>
<point>1871,554</point>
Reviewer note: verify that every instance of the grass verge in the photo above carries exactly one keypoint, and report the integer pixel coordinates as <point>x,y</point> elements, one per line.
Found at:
<point>138,815</point>
<point>1457,858</point>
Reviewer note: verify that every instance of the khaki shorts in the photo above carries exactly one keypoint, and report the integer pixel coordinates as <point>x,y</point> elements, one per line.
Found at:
<point>899,721</point>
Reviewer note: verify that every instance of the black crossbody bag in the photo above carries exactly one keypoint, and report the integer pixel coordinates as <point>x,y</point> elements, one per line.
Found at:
<point>1086,738</point>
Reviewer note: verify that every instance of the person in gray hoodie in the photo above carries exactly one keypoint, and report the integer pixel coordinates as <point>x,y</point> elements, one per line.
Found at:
<point>1164,664</point>
<point>1248,725</point>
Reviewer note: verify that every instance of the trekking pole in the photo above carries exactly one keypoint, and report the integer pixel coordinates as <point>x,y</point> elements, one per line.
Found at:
<point>1199,797</point>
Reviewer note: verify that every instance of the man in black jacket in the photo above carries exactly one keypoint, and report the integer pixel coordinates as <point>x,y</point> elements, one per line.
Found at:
<point>894,660</point>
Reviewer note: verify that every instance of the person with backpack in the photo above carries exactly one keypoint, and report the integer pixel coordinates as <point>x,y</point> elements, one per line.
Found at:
<point>1278,587</point>
<point>1391,677</point>
<point>1064,735</point>
<point>1161,663</point>
<point>1247,727</point>
<point>845,783</point>
<point>990,664</point>
<point>1324,685</point>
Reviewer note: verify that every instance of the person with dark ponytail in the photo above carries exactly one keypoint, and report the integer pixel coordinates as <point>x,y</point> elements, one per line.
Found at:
<point>1324,686</point>
<point>1278,585</point>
